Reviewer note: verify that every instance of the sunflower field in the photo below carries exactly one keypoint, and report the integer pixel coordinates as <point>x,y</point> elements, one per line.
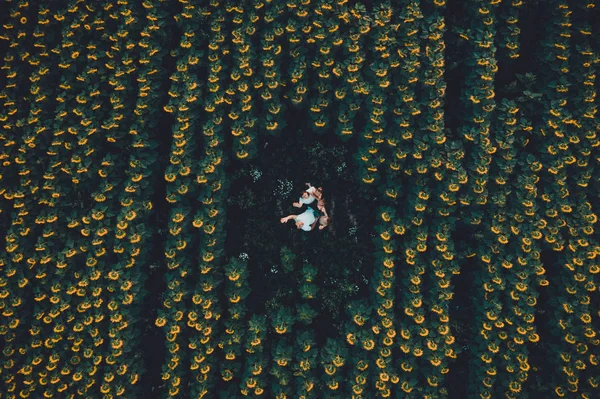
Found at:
<point>148,149</point>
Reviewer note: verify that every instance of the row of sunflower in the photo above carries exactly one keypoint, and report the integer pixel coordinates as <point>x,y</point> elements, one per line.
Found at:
<point>244,123</point>
<point>288,358</point>
<point>179,308</point>
<point>253,83</point>
<point>305,351</point>
<point>384,374</point>
<point>569,147</point>
<point>332,358</point>
<point>135,109</point>
<point>305,368</point>
<point>322,40</point>
<point>230,341</point>
<point>510,32</point>
<point>210,219</point>
<point>406,60</point>
<point>478,96</point>
<point>117,292</point>
<point>270,79</point>
<point>371,336</point>
<point>510,261</point>
<point>297,75</point>
<point>428,150</point>
<point>293,357</point>
<point>292,361</point>
<point>427,339</point>
<point>254,374</point>
<point>359,335</point>
<point>350,36</point>
<point>385,60</point>
<point>205,196</point>
<point>75,206</point>
<point>500,319</point>
<point>17,207</point>
<point>431,261</point>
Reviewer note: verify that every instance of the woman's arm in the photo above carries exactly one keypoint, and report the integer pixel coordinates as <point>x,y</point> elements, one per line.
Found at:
<point>287,218</point>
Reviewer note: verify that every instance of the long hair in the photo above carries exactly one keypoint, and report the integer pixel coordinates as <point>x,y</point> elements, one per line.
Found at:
<point>326,221</point>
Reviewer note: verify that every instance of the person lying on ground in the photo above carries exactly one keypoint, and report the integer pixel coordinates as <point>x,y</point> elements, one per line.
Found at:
<point>323,216</point>
<point>321,205</point>
<point>308,196</point>
<point>316,192</point>
<point>306,221</point>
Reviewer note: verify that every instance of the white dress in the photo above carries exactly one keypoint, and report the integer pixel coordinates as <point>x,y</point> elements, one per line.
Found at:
<point>310,198</point>
<point>308,218</point>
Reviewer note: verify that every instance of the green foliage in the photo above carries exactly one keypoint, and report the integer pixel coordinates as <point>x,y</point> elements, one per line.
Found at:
<point>305,313</point>
<point>287,259</point>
